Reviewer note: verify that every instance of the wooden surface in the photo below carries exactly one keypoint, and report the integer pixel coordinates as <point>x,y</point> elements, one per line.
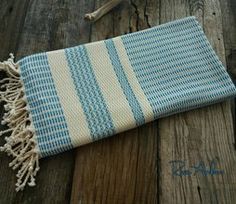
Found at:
<point>132,167</point>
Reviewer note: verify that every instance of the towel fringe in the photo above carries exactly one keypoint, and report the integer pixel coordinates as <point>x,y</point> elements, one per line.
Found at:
<point>21,143</point>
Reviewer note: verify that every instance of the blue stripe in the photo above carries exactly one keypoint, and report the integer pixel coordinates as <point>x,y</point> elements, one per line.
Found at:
<point>176,67</point>
<point>47,114</point>
<point>133,102</point>
<point>97,115</point>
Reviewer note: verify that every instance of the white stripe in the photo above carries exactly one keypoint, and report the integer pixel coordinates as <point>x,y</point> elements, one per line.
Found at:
<point>112,92</point>
<point>73,112</point>
<point>138,92</point>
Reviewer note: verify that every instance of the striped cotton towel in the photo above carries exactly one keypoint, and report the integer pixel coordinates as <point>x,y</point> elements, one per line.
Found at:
<point>62,99</point>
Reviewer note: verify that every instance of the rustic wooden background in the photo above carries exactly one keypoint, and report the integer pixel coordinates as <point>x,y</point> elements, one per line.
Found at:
<point>132,167</point>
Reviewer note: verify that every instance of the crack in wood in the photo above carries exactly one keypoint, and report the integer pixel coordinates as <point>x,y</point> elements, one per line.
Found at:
<point>137,15</point>
<point>146,16</point>
<point>199,193</point>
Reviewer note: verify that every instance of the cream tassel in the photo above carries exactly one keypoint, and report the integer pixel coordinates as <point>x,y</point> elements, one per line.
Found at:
<point>21,144</point>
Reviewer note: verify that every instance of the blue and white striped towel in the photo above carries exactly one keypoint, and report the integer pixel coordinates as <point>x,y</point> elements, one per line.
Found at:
<point>62,99</point>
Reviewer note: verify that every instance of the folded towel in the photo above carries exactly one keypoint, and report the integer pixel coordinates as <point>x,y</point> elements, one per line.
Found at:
<point>58,100</point>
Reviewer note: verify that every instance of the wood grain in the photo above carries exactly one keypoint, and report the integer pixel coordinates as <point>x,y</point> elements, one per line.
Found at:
<point>228,13</point>
<point>132,167</point>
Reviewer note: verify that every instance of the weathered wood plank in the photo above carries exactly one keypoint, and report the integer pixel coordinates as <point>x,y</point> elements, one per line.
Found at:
<point>228,15</point>
<point>121,169</point>
<point>12,15</point>
<point>48,25</point>
<point>224,138</point>
<point>199,135</point>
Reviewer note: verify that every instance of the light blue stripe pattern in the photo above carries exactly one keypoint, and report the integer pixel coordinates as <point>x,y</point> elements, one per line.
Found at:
<point>47,114</point>
<point>98,117</point>
<point>177,68</point>
<point>131,98</point>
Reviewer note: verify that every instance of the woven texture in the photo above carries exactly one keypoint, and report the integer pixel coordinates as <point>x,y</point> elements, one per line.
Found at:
<point>84,93</point>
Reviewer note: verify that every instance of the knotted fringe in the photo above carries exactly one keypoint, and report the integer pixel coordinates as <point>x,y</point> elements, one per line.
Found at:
<point>21,144</point>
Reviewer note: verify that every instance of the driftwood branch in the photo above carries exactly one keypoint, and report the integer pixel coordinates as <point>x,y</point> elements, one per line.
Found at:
<point>94,16</point>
